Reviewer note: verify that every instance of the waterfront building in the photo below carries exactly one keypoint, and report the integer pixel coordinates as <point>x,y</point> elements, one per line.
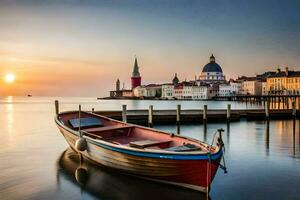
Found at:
<point>136,77</point>
<point>121,93</point>
<point>202,92</point>
<point>212,72</point>
<point>284,82</point>
<point>235,87</point>
<point>148,91</point>
<point>231,88</point>
<point>178,89</point>
<point>187,90</point>
<point>251,86</point>
<point>153,90</point>
<point>139,91</point>
<point>224,90</point>
<point>167,91</point>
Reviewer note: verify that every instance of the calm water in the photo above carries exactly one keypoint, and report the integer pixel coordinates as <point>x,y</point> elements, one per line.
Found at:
<point>36,163</point>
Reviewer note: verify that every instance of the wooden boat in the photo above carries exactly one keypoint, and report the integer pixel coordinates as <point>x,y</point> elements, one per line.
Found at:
<point>142,151</point>
<point>103,183</point>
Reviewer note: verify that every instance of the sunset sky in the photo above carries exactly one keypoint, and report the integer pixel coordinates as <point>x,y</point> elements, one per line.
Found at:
<point>80,48</point>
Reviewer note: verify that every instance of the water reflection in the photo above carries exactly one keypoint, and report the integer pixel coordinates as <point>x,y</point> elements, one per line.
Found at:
<point>267,128</point>
<point>98,182</point>
<point>261,157</point>
<point>228,132</point>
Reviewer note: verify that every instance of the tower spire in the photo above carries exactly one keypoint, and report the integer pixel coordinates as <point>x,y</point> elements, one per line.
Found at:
<point>135,72</point>
<point>212,58</point>
<point>118,85</point>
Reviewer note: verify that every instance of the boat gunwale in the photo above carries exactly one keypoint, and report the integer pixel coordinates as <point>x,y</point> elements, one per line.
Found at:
<point>112,146</point>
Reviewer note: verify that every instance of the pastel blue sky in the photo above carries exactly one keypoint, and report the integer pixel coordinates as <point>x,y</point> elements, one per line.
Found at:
<point>85,45</point>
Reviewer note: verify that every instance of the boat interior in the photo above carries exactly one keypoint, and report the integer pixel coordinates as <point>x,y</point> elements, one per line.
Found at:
<point>101,128</point>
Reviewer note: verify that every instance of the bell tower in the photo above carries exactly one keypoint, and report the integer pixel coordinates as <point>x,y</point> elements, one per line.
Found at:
<point>118,85</point>
<point>135,78</point>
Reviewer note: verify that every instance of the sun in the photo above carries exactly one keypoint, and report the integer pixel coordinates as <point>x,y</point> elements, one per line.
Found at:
<point>9,78</point>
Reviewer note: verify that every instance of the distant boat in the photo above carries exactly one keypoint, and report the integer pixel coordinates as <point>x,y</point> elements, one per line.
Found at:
<point>141,151</point>
<point>29,95</point>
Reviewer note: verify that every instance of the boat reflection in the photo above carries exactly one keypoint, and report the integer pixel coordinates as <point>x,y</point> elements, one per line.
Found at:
<point>105,183</point>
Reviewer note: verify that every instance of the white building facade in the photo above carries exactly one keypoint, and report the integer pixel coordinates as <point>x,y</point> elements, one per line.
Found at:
<point>167,91</point>
<point>224,90</point>
<point>264,88</point>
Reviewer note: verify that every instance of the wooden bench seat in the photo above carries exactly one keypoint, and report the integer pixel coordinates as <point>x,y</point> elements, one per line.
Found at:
<point>108,132</point>
<point>105,128</point>
<point>147,143</point>
<point>94,136</point>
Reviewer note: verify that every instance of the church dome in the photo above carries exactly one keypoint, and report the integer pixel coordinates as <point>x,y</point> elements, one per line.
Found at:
<point>212,66</point>
<point>175,79</point>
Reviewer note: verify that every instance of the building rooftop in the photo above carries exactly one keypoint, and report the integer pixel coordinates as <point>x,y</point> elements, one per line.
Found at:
<point>212,66</point>
<point>287,73</point>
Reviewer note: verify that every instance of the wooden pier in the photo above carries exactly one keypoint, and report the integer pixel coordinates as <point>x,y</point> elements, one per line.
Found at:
<point>177,116</point>
<point>276,101</point>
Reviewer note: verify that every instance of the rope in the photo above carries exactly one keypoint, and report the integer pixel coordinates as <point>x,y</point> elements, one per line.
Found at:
<point>208,175</point>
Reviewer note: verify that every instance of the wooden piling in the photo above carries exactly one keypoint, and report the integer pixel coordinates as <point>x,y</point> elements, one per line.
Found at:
<point>205,114</point>
<point>56,107</point>
<point>178,113</point>
<point>124,113</point>
<point>205,132</point>
<point>93,110</point>
<point>178,129</point>
<point>150,116</point>
<point>228,112</point>
<point>267,110</point>
<point>294,109</point>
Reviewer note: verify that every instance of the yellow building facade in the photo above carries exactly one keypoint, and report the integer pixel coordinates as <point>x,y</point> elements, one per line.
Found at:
<point>284,82</point>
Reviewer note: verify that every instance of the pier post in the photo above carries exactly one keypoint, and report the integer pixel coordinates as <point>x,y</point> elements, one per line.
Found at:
<point>178,113</point>
<point>298,103</point>
<point>178,129</point>
<point>150,116</point>
<point>267,110</point>
<point>294,109</point>
<point>93,110</point>
<point>228,112</point>
<point>205,114</point>
<point>124,113</point>
<point>56,107</point>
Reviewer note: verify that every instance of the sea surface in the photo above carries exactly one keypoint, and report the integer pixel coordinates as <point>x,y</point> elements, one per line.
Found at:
<point>263,159</point>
